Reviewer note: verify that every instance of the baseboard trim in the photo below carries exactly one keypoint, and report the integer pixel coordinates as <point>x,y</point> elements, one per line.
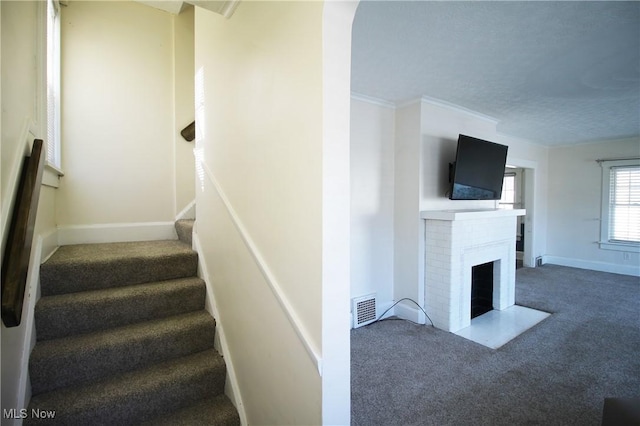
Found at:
<point>31,297</point>
<point>632,270</point>
<point>189,212</point>
<point>49,244</point>
<point>407,312</point>
<point>232,388</point>
<point>116,233</point>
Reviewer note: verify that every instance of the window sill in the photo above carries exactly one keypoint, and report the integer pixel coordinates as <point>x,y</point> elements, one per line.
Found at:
<point>620,246</point>
<point>51,176</point>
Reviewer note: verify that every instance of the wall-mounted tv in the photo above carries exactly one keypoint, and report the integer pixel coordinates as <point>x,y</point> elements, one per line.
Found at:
<point>478,171</point>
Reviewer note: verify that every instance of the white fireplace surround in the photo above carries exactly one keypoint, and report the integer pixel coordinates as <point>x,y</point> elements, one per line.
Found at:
<point>457,240</point>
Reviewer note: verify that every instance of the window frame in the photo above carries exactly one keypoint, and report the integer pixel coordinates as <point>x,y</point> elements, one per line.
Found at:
<point>53,163</point>
<point>505,205</point>
<point>605,242</point>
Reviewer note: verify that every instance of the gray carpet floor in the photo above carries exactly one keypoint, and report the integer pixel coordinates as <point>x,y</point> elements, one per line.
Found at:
<point>556,373</point>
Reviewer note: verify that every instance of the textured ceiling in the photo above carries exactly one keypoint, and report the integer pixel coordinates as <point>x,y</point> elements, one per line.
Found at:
<point>554,73</point>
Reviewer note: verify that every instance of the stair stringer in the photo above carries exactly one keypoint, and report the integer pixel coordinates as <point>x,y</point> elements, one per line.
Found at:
<point>45,244</point>
<point>232,389</point>
<point>189,212</point>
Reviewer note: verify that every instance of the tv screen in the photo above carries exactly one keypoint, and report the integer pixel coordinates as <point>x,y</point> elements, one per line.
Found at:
<point>478,171</point>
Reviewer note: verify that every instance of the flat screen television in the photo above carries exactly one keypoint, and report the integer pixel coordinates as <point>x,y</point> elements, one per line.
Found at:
<point>478,171</point>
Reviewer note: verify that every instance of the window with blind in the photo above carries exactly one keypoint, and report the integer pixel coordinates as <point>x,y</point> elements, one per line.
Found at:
<point>508,198</point>
<point>620,204</point>
<point>53,83</point>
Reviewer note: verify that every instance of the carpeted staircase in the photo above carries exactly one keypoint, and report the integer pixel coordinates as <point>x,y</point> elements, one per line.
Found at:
<point>123,338</point>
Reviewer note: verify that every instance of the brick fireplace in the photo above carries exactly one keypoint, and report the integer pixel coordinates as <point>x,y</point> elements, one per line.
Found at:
<point>455,242</point>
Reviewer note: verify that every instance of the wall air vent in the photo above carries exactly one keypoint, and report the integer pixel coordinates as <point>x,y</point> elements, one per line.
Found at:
<point>364,310</point>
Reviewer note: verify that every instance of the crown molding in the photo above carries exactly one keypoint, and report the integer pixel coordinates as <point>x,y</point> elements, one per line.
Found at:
<point>458,108</point>
<point>222,7</point>
<point>372,100</point>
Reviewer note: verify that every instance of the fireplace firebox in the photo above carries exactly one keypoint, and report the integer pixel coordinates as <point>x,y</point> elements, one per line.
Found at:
<point>481,289</point>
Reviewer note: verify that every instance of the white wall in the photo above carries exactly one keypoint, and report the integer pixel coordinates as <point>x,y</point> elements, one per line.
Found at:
<point>117,114</point>
<point>22,98</point>
<point>534,158</point>
<point>337,23</point>
<point>426,137</point>
<point>260,133</point>
<point>372,192</point>
<point>441,125</point>
<point>424,143</point>
<point>575,185</point>
<point>406,214</point>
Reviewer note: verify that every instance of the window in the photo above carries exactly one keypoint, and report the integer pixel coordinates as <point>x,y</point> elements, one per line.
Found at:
<point>53,83</point>
<point>620,228</point>
<point>508,199</point>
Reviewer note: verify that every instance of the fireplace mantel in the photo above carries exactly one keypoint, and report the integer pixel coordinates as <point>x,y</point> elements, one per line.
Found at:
<point>452,215</point>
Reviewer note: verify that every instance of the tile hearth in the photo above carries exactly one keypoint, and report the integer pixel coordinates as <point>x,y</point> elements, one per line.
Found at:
<point>495,328</point>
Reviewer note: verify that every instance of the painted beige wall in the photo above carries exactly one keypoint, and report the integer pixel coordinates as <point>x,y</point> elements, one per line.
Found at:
<point>184,107</point>
<point>19,100</point>
<point>117,114</point>
<point>260,119</point>
<point>21,73</point>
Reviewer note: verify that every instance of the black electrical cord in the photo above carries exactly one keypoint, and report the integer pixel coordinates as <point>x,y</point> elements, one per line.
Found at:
<point>404,298</point>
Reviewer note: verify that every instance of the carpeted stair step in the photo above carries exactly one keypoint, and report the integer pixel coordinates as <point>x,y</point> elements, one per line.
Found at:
<point>217,411</point>
<point>75,313</point>
<point>123,338</point>
<point>184,229</point>
<point>73,360</point>
<point>137,396</point>
<point>85,267</point>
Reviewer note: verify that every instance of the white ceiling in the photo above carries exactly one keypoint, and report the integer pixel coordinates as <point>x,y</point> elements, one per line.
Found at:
<point>554,73</point>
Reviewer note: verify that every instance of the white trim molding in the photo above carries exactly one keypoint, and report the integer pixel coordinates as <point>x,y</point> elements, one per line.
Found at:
<point>448,105</point>
<point>633,270</point>
<point>49,244</point>
<point>458,108</point>
<point>371,100</point>
<point>51,175</point>
<point>605,215</point>
<point>116,233</point>
<point>410,313</point>
<point>232,388</point>
<point>280,296</point>
<point>189,212</point>
<point>39,253</point>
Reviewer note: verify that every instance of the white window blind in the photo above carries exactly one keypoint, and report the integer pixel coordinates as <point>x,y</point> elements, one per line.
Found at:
<point>508,198</point>
<point>624,204</point>
<point>620,219</point>
<point>53,83</point>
